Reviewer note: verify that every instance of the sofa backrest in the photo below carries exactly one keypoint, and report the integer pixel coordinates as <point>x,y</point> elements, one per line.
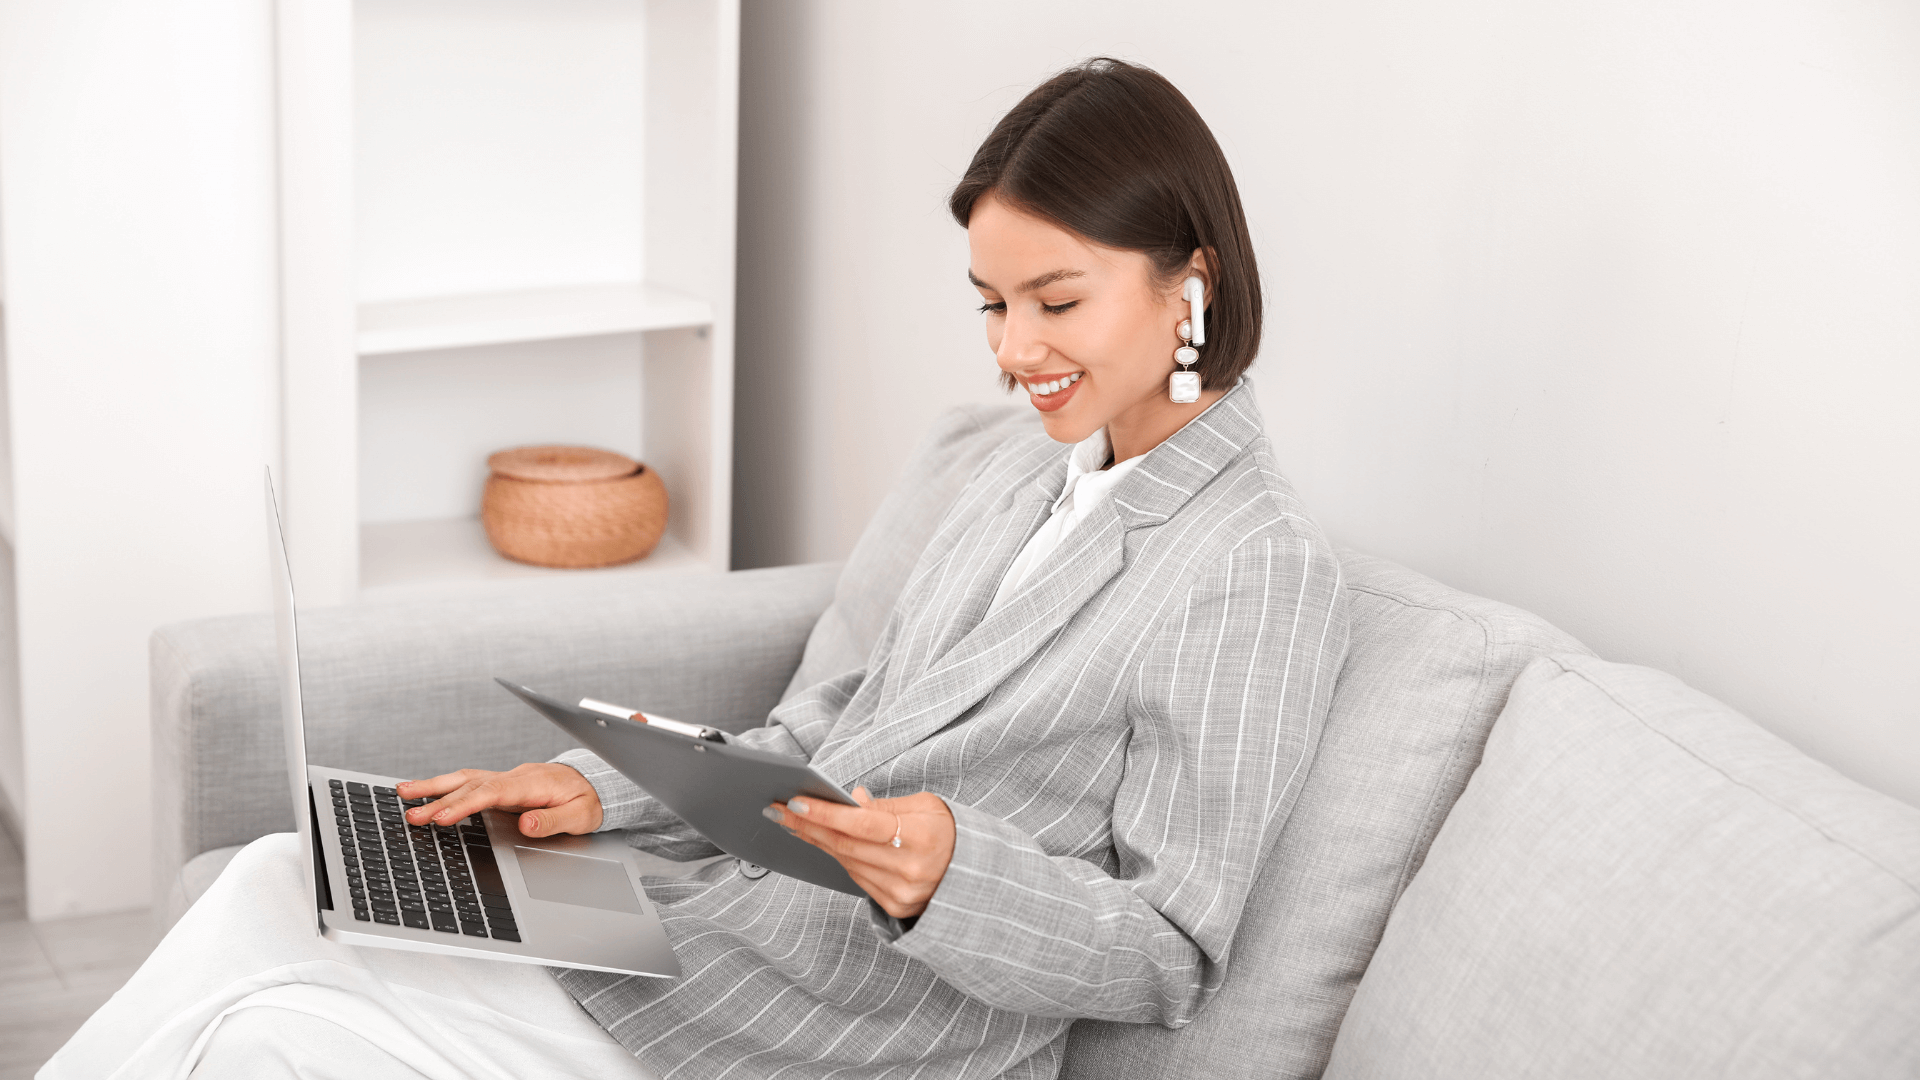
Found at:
<point>1638,882</point>
<point>1426,673</point>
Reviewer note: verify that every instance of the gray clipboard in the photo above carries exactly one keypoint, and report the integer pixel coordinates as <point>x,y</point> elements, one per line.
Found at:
<point>716,787</point>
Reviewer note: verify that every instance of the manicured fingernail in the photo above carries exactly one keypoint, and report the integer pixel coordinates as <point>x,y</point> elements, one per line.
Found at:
<point>772,813</point>
<point>799,806</point>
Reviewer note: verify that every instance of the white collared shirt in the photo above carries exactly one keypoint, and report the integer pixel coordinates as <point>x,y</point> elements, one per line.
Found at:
<point>1087,484</point>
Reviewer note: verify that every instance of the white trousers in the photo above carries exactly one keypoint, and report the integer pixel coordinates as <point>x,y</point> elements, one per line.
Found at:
<point>243,987</point>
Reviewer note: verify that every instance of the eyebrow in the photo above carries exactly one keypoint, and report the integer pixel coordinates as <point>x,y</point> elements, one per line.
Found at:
<point>1040,282</point>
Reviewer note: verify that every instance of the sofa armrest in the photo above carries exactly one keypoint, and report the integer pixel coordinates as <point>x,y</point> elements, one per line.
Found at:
<point>405,688</point>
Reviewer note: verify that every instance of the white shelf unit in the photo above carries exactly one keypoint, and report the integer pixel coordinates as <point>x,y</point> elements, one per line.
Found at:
<point>503,222</point>
<point>452,322</point>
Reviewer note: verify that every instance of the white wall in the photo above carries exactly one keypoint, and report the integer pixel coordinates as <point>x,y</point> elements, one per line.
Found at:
<point>136,183</point>
<point>13,748</point>
<point>1607,309</point>
<point>13,761</point>
<point>13,751</point>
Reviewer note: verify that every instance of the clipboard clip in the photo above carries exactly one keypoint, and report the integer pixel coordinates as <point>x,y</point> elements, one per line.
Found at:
<point>691,731</point>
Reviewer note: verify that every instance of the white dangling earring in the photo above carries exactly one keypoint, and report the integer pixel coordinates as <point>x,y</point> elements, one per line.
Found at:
<point>1183,386</point>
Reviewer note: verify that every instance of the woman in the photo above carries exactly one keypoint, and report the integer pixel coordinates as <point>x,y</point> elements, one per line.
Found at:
<point>1086,719</point>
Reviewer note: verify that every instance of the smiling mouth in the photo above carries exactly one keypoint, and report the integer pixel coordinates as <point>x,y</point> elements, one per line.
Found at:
<point>1051,386</point>
<point>1052,395</point>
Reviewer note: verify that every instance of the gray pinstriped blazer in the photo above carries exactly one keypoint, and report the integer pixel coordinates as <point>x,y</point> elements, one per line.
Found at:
<point>1119,744</point>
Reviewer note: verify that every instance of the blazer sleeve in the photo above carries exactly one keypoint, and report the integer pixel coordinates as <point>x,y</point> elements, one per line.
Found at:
<point>1225,714</point>
<point>796,728</point>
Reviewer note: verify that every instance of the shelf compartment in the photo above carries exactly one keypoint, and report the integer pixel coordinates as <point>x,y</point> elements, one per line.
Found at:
<point>452,322</point>
<point>409,556</point>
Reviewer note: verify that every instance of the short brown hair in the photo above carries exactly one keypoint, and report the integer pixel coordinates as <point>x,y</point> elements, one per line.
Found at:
<point>1113,152</point>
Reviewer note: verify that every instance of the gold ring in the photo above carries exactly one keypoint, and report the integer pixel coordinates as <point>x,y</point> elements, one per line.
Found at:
<point>896,830</point>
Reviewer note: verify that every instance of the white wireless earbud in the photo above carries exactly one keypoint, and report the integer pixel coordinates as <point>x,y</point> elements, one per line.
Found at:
<point>1195,293</point>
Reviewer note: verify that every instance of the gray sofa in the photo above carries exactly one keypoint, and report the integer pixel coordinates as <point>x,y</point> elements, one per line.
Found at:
<point>1636,881</point>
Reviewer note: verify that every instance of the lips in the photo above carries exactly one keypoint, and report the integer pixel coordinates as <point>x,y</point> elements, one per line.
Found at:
<point>1048,395</point>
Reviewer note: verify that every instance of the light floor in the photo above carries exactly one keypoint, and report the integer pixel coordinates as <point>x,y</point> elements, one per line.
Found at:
<point>54,974</point>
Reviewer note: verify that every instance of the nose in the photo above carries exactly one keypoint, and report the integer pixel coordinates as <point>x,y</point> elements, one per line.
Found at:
<point>1020,345</point>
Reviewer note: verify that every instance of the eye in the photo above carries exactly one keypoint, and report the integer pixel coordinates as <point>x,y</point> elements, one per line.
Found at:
<point>1060,309</point>
<point>997,307</point>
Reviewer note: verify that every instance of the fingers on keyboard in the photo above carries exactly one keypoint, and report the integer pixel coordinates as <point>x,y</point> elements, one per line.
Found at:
<point>444,878</point>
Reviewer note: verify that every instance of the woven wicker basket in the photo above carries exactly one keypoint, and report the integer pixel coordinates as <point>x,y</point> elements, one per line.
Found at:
<point>572,506</point>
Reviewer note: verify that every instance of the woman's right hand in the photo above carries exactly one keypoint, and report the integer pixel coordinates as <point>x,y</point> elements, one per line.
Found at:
<point>549,798</point>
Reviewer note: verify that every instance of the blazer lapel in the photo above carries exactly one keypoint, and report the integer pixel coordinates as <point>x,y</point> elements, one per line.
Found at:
<point>958,596</point>
<point>953,681</point>
<point>949,593</point>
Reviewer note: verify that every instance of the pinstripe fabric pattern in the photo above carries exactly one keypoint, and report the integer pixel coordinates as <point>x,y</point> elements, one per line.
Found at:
<point>1119,742</point>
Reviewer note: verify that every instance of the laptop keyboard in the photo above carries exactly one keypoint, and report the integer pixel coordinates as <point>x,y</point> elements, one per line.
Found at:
<point>424,876</point>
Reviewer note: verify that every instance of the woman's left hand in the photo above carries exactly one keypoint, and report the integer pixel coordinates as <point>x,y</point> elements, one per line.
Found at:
<point>900,879</point>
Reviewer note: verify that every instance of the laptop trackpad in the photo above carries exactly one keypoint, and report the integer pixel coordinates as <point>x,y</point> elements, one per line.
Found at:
<point>576,879</point>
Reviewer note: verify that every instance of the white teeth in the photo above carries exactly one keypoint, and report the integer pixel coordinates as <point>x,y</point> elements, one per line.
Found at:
<point>1074,378</point>
<point>1054,386</point>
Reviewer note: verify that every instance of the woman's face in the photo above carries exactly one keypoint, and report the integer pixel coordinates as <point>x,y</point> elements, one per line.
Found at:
<point>1082,328</point>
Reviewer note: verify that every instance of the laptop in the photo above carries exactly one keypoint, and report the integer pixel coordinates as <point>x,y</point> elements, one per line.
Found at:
<point>477,888</point>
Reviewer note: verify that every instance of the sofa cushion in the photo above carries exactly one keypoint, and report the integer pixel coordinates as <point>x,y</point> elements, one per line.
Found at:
<point>1427,670</point>
<point>1641,882</point>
